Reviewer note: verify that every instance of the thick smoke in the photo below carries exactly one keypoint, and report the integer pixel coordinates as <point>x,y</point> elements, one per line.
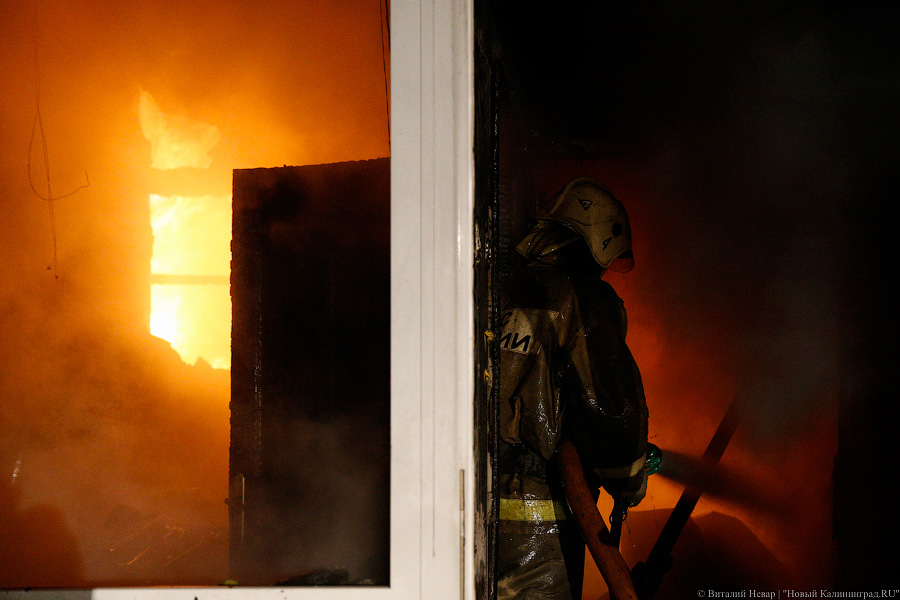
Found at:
<point>749,254</point>
<point>746,143</point>
<point>113,453</point>
<point>120,445</point>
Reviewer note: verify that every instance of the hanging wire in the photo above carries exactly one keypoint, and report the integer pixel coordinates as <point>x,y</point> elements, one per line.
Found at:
<point>384,10</point>
<point>37,126</point>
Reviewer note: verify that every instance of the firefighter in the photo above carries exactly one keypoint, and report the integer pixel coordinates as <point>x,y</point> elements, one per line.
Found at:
<point>565,372</point>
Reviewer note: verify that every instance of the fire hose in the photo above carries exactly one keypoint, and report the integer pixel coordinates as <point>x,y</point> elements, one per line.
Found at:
<point>603,548</point>
<point>603,542</point>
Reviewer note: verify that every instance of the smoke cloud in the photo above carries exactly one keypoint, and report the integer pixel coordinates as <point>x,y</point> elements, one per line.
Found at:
<point>113,452</point>
<point>175,140</point>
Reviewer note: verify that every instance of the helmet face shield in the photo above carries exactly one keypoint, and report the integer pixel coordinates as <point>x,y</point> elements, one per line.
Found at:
<point>588,208</point>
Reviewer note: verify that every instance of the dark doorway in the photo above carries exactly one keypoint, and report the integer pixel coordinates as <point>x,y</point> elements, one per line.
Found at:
<point>310,412</point>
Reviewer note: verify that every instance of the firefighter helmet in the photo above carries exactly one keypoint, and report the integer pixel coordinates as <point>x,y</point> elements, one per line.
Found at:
<point>587,207</point>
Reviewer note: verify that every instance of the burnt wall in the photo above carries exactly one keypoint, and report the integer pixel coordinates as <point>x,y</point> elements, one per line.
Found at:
<point>310,409</point>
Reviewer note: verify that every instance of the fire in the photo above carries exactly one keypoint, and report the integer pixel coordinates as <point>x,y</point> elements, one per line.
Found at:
<point>164,318</point>
<point>190,301</point>
<point>189,296</point>
<point>176,141</point>
<point>191,235</point>
<point>195,320</point>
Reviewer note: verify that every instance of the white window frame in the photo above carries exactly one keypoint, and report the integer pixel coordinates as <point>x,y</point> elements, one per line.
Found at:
<point>432,341</point>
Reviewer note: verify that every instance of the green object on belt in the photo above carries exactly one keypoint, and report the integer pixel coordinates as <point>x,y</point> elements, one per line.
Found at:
<point>654,458</point>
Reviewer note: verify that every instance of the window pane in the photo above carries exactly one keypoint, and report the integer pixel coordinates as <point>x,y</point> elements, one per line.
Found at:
<point>115,424</point>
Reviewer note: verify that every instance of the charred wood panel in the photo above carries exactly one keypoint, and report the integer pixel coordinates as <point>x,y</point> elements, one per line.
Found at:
<point>487,353</point>
<point>310,401</point>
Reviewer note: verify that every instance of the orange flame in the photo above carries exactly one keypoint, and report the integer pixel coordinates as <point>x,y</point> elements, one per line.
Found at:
<point>190,301</point>
<point>176,141</point>
<point>189,296</point>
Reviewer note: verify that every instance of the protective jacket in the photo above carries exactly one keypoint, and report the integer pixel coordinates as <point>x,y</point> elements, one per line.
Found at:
<point>565,364</point>
<point>565,371</point>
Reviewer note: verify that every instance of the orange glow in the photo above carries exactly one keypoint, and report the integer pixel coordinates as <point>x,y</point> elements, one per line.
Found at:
<point>191,235</point>
<point>145,98</point>
<point>190,306</point>
<point>176,141</point>
<point>190,301</point>
<point>195,320</point>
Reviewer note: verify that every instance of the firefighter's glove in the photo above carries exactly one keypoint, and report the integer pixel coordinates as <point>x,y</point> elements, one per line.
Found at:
<point>630,491</point>
<point>638,484</point>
